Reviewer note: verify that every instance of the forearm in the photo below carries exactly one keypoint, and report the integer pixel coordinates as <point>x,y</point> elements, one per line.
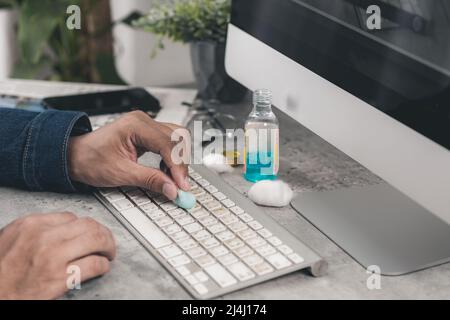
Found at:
<point>34,148</point>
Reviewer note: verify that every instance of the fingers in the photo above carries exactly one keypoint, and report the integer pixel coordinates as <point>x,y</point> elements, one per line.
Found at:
<point>52,219</point>
<point>98,240</point>
<point>76,228</point>
<point>153,180</point>
<point>92,266</point>
<point>157,137</point>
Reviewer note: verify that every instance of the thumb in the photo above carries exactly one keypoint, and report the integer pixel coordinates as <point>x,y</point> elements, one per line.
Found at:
<point>153,180</point>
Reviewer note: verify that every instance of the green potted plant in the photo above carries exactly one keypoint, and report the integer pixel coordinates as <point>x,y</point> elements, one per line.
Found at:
<point>202,24</point>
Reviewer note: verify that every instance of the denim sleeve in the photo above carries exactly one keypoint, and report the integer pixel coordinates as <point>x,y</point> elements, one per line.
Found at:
<point>34,148</point>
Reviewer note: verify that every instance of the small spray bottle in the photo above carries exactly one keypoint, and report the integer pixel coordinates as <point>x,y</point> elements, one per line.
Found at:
<point>261,155</point>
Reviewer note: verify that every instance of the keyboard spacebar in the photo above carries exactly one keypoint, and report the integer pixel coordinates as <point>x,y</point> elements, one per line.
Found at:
<point>146,228</point>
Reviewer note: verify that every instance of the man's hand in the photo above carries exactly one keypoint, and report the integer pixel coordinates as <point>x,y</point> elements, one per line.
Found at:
<point>36,251</point>
<point>108,157</point>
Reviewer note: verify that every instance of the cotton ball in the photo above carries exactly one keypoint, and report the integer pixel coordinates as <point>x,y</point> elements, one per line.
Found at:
<point>271,193</point>
<point>217,163</point>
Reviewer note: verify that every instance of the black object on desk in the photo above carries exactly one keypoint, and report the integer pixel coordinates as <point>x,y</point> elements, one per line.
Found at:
<point>106,102</point>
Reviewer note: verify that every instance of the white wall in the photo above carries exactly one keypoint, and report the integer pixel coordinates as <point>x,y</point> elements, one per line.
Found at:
<point>171,66</point>
<point>8,44</point>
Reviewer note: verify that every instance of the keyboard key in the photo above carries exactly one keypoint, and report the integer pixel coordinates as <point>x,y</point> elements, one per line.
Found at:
<point>224,236</point>
<point>266,250</point>
<point>196,252</point>
<point>149,207</point>
<point>146,228</point>
<point>228,259</point>
<point>256,242</point>
<point>205,261</point>
<point>106,191</point>
<point>253,260</point>
<point>211,189</point>
<point>265,233</point>
<point>171,229</point>
<point>210,243</point>
<point>168,206</point>
<point>296,258</point>
<point>246,234</point>
<point>262,269</point>
<point>240,271</point>
<point>201,276</point>
<point>203,182</point>
<point>220,275</point>
<point>285,250</point>
<point>179,236</point>
<point>219,196</point>
<point>216,228</point>
<point>204,199</point>
<point>218,251</point>
<point>195,176</point>
<point>160,199</point>
<point>198,192</point>
<point>243,251</point>
<point>179,261</point>
<point>275,241</point>
<point>237,226</point>
<point>220,212</point>
<point>122,205</point>
<point>195,208</point>
<point>208,221</point>
<point>185,220</point>
<point>138,197</point>
<point>128,189</point>
<point>188,244</point>
<point>201,289</point>
<point>183,271</point>
<point>201,235</point>
<point>170,251</point>
<point>191,279</point>
<point>193,227</point>
<point>278,261</point>
<point>163,222</point>
<point>175,213</point>
<point>237,210</point>
<point>212,205</point>
<point>246,217</point>
<point>156,214</point>
<point>228,219</point>
<point>234,243</point>
<point>227,203</point>
<point>255,225</point>
<point>200,214</point>
<point>115,196</point>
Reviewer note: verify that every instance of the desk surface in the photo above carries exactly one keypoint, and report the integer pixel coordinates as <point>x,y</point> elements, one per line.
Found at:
<point>308,163</point>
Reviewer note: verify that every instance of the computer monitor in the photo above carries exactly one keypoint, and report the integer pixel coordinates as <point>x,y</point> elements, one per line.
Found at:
<point>381,95</point>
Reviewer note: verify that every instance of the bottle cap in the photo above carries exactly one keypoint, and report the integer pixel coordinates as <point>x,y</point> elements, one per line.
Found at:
<point>262,96</point>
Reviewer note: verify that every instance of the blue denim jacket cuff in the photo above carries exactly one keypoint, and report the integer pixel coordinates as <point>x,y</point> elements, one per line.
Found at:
<point>45,155</point>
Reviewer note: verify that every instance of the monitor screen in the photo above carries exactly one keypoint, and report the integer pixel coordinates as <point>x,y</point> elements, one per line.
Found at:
<point>401,66</point>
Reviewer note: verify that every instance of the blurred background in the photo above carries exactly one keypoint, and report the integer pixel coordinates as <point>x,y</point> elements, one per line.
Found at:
<point>35,43</point>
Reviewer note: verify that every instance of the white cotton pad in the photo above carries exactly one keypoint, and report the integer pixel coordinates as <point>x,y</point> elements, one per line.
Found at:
<point>271,193</point>
<point>217,163</point>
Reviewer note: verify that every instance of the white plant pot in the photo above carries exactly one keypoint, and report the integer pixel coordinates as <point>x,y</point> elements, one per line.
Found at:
<point>8,42</point>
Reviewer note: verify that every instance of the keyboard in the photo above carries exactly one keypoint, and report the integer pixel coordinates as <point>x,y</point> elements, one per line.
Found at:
<point>225,243</point>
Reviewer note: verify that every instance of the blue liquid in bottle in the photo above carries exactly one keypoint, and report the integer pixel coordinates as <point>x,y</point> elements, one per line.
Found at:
<point>261,140</point>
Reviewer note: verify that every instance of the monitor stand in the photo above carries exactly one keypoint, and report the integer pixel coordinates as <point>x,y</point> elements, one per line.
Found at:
<point>378,225</point>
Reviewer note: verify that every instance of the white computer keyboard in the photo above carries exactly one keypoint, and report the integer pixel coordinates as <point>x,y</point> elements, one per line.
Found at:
<point>223,244</point>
